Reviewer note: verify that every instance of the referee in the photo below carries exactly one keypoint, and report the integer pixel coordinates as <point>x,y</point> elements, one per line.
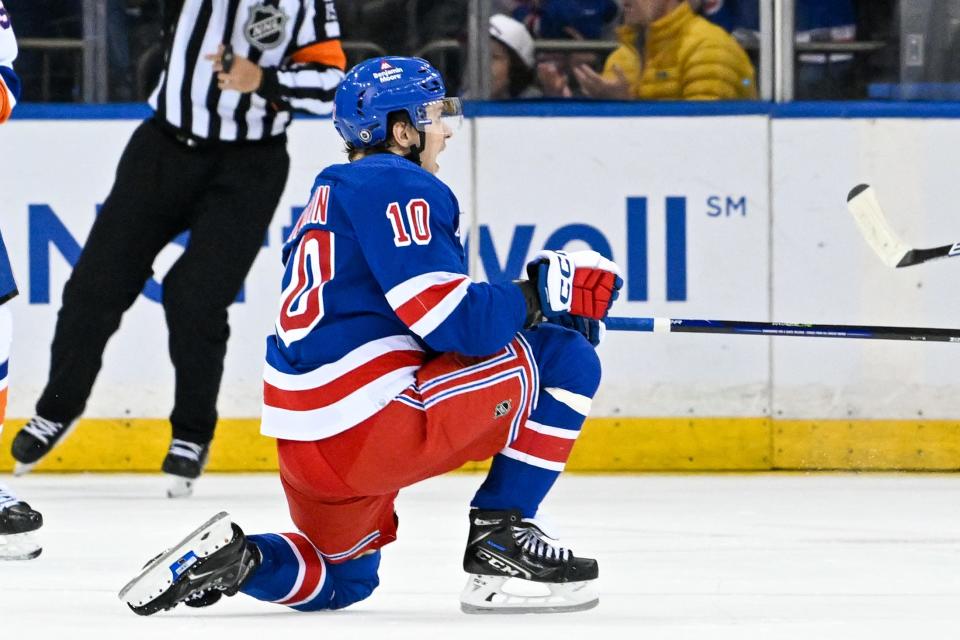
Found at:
<point>212,160</point>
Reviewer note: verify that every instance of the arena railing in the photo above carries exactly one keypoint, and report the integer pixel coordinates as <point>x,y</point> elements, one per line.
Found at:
<point>49,46</point>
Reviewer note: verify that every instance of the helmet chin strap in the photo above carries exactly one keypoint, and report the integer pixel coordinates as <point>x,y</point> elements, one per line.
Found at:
<point>414,154</point>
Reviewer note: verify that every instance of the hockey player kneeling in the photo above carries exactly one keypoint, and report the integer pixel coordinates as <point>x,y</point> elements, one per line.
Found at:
<point>389,365</point>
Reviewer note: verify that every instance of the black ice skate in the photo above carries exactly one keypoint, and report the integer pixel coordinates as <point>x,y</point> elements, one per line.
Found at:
<point>515,569</point>
<point>17,524</point>
<point>37,438</point>
<point>212,561</point>
<point>183,465</point>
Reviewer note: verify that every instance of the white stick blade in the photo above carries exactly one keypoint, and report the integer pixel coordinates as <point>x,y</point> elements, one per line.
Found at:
<point>863,204</point>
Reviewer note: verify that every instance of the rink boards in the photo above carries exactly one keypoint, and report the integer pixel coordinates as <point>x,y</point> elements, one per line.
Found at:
<point>713,211</point>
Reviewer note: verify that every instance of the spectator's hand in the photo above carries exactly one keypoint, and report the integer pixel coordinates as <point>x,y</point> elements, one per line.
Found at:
<point>244,76</point>
<point>553,83</point>
<point>596,86</point>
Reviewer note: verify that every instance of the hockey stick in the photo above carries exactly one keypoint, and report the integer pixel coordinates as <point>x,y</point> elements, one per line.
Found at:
<point>863,204</point>
<point>864,332</point>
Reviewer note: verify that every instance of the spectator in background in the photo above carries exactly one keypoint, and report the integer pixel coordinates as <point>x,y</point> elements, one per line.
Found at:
<point>562,19</point>
<point>825,76</point>
<point>566,20</point>
<point>685,57</point>
<point>819,76</point>
<point>511,60</point>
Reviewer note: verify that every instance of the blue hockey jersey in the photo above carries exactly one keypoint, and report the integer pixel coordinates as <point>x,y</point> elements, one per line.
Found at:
<point>8,287</point>
<point>375,282</point>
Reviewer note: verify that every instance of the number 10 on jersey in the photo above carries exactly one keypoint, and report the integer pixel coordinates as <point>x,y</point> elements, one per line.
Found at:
<point>415,227</point>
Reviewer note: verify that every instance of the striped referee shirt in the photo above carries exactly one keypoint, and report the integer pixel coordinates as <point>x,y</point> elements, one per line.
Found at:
<point>295,42</point>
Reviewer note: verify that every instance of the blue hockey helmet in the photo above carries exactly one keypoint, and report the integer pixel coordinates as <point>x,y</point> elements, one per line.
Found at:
<point>379,86</point>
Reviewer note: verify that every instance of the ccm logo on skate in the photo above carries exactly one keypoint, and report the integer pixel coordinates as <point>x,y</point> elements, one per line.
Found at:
<point>955,249</point>
<point>180,567</point>
<point>497,563</point>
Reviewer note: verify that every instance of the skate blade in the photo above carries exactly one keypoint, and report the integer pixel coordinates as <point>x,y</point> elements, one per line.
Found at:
<point>161,572</point>
<point>501,594</point>
<point>19,546</point>
<point>180,487</point>
<point>23,468</point>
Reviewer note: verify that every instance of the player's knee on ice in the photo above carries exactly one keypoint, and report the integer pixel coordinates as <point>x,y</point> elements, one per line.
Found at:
<point>347,583</point>
<point>354,580</point>
<point>565,359</point>
<point>304,581</point>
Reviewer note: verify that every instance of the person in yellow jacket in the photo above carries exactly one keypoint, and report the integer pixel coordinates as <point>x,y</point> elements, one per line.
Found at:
<point>685,57</point>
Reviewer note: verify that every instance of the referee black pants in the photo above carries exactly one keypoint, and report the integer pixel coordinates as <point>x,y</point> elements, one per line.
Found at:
<point>225,195</point>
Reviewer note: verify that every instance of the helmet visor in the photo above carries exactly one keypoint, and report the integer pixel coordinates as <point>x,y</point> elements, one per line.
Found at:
<point>440,116</point>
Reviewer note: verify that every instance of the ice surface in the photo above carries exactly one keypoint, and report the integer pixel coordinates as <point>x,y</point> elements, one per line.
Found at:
<point>681,556</point>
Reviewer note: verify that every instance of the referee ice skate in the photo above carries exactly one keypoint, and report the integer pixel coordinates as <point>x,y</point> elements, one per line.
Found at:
<point>212,161</point>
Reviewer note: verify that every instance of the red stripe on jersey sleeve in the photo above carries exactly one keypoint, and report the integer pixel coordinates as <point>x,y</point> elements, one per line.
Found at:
<point>420,305</point>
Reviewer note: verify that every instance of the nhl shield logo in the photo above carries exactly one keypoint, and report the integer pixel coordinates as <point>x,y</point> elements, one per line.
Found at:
<point>264,26</point>
<point>502,409</point>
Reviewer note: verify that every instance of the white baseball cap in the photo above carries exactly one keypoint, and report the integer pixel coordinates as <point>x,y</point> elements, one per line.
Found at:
<point>514,35</point>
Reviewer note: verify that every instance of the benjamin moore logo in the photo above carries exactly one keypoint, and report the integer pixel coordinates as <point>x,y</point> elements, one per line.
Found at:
<point>388,72</point>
